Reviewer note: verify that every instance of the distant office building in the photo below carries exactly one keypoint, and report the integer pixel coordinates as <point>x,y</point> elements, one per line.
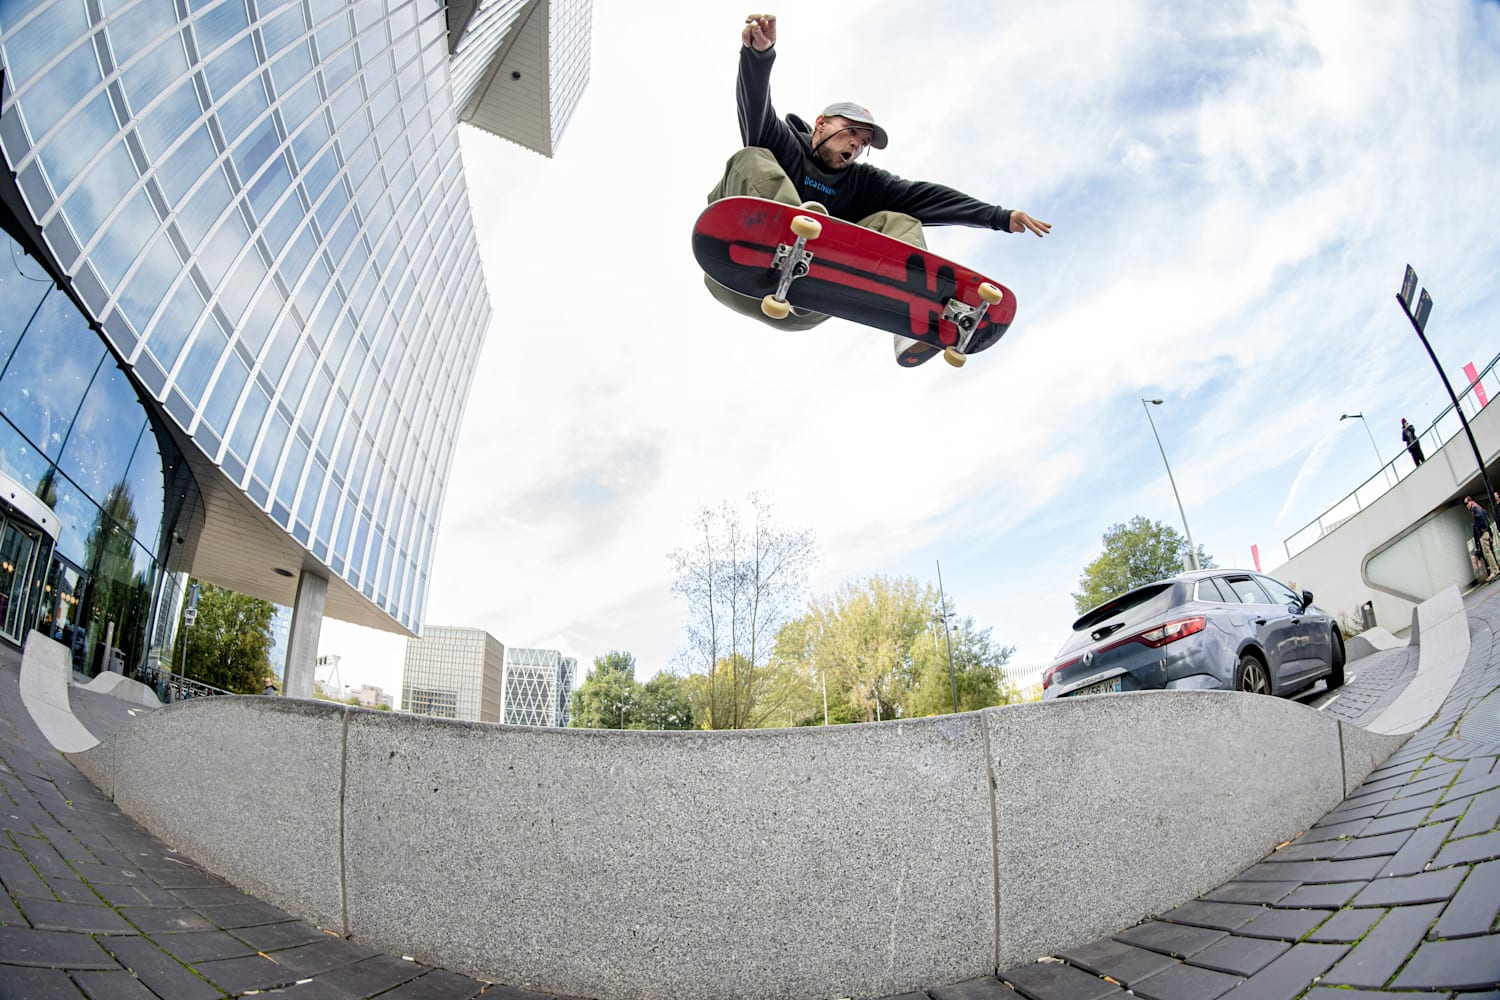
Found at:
<point>371,696</point>
<point>453,673</point>
<point>241,298</point>
<point>538,687</point>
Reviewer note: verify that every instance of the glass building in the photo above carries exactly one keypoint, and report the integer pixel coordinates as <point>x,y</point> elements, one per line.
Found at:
<point>538,689</point>
<point>241,298</point>
<point>453,673</point>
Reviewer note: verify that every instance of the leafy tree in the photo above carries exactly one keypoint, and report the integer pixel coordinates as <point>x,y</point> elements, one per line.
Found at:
<point>229,645</point>
<point>879,648</point>
<point>121,592</point>
<point>609,696</point>
<point>1134,554</point>
<point>664,703</point>
<point>740,582</point>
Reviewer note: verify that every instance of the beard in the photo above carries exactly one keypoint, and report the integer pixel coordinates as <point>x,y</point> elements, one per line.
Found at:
<point>833,159</point>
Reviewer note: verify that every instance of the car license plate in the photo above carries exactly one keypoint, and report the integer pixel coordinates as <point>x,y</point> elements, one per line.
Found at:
<point>1103,687</point>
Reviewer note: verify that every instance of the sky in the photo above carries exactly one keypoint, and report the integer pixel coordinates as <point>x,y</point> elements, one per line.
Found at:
<point>1234,190</point>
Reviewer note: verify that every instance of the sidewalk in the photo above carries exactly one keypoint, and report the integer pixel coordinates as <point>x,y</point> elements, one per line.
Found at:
<point>1394,893</point>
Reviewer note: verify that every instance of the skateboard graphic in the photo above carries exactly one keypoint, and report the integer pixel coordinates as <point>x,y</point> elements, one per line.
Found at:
<point>792,257</point>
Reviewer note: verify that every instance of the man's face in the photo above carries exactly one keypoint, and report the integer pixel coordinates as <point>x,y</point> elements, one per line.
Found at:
<point>838,141</point>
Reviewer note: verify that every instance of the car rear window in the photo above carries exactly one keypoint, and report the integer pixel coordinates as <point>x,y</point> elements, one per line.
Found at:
<point>1119,614</point>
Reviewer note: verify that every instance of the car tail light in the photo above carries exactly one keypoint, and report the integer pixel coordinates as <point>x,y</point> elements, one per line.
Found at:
<point>1161,635</point>
<point>1052,671</point>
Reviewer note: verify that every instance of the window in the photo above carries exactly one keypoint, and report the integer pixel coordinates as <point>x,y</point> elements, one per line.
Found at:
<point>1280,592</point>
<point>1246,590</point>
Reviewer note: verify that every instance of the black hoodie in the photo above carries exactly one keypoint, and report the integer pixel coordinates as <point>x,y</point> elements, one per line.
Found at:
<point>858,190</point>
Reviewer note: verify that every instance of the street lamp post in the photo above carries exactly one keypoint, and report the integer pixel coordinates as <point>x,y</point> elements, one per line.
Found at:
<point>1192,549</point>
<point>948,636</point>
<point>1418,318</point>
<point>1361,418</point>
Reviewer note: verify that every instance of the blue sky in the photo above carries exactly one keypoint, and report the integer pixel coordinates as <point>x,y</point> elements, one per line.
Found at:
<point>1235,191</point>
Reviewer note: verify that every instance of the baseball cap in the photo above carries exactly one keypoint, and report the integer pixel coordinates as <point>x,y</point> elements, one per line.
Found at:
<point>859,113</point>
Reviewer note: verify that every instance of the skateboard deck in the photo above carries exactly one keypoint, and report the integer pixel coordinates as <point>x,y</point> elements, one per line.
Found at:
<point>749,245</point>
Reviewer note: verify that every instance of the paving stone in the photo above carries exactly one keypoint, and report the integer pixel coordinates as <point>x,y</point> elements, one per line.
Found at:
<point>1289,975</point>
<point>1349,871</point>
<point>289,934</point>
<point>70,889</point>
<point>1418,850</point>
<point>118,985</point>
<point>1415,803</point>
<point>54,949</point>
<point>1390,824</point>
<point>9,914</point>
<point>47,914</point>
<point>36,984</point>
<point>162,919</point>
<point>1386,948</point>
<point>1186,982</point>
<point>1404,890</point>
<point>1250,892</point>
<point>1448,811</point>
<point>1239,956</point>
<point>1473,909</point>
<point>1315,850</point>
<point>191,947</point>
<point>1221,916</point>
<point>373,975</point>
<point>1333,831</point>
<point>1331,896</point>
<point>1347,925</point>
<point>1482,815</point>
<point>1339,993</point>
<point>1169,939</point>
<point>252,972</point>
<point>242,915</point>
<point>321,956</point>
<point>1038,981</point>
<point>439,985</point>
<point>162,973</point>
<point>1121,962</point>
<point>1471,963</point>
<point>217,895</point>
<point>1469,785</point>
<point>1283,925</point>
<point>1374,846</point>
<point>1469,849</point>
<point>19,878</point>
<point>1283,871</point>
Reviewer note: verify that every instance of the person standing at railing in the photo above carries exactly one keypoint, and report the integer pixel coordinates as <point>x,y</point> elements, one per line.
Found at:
<point>1413,446</point>
<point>1483,537</point>
<point>270,687</point>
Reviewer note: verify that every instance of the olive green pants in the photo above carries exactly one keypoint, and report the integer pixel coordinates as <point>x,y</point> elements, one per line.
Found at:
<point>753,171</point>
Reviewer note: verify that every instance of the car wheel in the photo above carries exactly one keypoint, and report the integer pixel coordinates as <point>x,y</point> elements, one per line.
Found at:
<point>1336,675</point>
<point>1250,676</point>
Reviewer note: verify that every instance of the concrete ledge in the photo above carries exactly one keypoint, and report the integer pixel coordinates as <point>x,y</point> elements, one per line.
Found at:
<point>1372,640</point>
<point>124,688</point>
<point>858,860</point>
<point>1364,751</point>
<point>1440,630</point>
<point>46,672</point>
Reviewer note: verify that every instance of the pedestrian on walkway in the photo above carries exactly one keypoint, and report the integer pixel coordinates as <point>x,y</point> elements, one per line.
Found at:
<point>270,686</point>
<point>1483,538</point>
<point>1413,446</point>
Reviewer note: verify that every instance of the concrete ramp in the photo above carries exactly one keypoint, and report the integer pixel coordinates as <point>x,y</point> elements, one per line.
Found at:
<point>1440,630</point>
<point>124,688</point>
<point>46,672</point>
<point>1371,640</point>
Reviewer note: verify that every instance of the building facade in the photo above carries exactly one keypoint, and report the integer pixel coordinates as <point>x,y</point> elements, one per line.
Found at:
<point>241,298</point>
<point>538,689</point>
<point>453,673</point>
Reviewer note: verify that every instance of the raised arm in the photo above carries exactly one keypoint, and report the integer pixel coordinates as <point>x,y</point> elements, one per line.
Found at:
<point>759,32</point>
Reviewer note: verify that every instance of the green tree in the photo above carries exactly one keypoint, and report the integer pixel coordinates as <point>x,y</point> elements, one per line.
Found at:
<point>609,696</point>
<point>878,647</point>
<point>664,703</point>
<point>229,644</point>
<point>740,582</point>
<point>1134,554</point>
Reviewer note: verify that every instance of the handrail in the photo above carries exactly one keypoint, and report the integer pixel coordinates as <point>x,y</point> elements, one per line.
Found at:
<point>1372,489</point>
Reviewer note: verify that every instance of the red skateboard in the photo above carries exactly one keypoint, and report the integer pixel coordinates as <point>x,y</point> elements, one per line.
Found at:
<point>791,257</point>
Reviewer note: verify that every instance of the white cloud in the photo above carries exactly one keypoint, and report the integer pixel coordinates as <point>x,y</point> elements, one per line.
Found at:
<point>1234,189</point>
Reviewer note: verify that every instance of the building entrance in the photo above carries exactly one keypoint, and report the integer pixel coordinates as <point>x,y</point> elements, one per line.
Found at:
<point>18,551</point>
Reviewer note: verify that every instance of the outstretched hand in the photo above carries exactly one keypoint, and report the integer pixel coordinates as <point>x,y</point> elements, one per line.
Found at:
<point>1021,222</point>
<point>759,32</point>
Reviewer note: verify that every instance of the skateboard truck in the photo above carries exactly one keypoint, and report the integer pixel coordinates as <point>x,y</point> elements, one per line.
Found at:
<point>966,318</point>
<point>791,263</point>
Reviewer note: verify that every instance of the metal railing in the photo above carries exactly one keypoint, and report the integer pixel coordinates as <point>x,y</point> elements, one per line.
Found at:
<point>1442,430</point>
<point>170,687</point>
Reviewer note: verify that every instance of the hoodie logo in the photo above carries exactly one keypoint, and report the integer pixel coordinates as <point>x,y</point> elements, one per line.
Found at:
<point>809,182</point>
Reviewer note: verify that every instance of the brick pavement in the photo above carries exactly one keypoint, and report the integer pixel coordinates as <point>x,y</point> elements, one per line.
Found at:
<point>1394,893</point>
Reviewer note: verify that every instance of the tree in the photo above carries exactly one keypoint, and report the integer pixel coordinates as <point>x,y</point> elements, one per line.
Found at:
<point>229,644</point>
<point>740,583</point>
<point>1134,554</point>
<point>879,648</point>
<point>609,695</point>
<point>663,703</point>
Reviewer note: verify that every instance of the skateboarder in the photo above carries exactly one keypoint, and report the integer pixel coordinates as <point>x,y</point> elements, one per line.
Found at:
<point>824,160</point>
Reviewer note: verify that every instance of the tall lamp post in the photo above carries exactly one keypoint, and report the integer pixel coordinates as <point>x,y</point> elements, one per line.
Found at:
<point>1361,418</point>
<point>1192,549</point>
<point>1418,318</point>
<point>947,635</point>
